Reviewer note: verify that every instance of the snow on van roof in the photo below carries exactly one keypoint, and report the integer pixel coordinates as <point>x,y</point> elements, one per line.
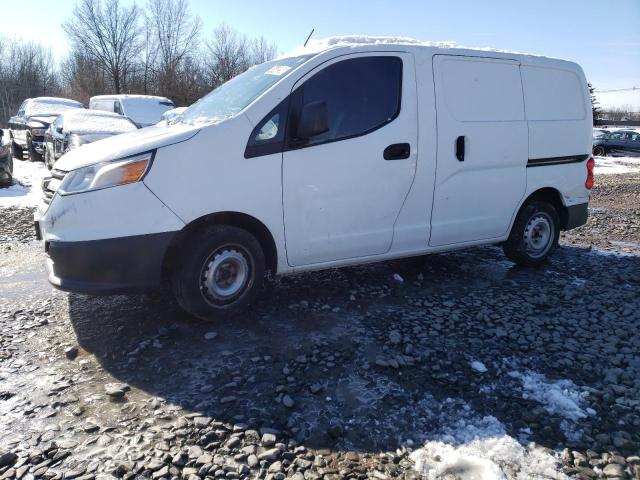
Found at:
<point>95,121</point>
<point>319,45</point>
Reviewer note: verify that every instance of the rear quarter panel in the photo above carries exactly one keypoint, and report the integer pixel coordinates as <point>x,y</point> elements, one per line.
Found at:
<point>558,110</point>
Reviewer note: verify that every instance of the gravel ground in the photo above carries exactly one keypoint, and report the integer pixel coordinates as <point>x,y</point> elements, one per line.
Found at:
<point>392,370</point>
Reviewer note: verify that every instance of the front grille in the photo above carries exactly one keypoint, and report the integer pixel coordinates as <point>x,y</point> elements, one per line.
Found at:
<point>50,184</point>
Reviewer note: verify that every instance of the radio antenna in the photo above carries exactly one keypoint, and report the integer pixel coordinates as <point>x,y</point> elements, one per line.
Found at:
<point>307,40</point>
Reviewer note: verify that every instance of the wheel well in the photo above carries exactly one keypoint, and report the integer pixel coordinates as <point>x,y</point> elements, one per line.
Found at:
<point>235,219</point>
<point>552,196</point>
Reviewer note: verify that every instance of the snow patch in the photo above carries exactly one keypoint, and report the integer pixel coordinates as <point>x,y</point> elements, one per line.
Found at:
<point>478,448</point>
<point>616,165</point>
<point>559,397</point>
<point>478,366</point>
<point>319,45</point>
<point>26,190</point>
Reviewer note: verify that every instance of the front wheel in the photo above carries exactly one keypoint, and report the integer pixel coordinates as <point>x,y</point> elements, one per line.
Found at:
<point>219,272</point>
<point>599,151</point>
<point>534,235</point>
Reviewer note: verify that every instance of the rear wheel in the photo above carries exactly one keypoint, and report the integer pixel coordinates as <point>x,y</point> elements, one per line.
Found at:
<point>219,272</point>
<point>534,235</point>
<point>599,151</point>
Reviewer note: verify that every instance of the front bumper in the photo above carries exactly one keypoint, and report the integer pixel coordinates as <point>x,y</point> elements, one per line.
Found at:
<point>107,241</point>
<point>111,266</point>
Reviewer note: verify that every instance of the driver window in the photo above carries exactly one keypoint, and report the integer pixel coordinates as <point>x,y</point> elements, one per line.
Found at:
<point>616,136</point>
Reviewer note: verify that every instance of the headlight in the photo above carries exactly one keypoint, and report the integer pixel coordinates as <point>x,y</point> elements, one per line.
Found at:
<point>106,174</point>
<point>75,141</point>
<point>38,132</point>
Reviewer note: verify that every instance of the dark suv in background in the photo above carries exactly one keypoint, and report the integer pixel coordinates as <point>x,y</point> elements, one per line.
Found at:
<point>6,162</point>
<point>27,127</point>
<point>624,143</point>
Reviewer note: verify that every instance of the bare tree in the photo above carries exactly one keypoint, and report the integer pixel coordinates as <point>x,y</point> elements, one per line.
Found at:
<point>261,51</point>
<point>228,55</point>
<point>109,33</point>
<point>26,70</point>
<point>175,36</point>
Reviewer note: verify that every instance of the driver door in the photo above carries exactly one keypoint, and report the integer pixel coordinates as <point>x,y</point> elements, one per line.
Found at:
<point>344,188</point>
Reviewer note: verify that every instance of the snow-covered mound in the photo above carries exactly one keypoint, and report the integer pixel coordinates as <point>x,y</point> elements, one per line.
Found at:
<point>616,165</point>
<point>26,190</point>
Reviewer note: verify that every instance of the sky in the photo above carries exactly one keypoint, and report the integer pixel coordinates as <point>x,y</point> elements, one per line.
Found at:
<point>602,36</point>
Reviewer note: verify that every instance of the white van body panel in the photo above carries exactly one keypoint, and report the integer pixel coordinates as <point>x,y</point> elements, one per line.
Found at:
<point>124,145</point>
<point>341,199</point>
<point>341,203</point>
<point>479,99</point>
<point>209,174</point>
<point>109,213</point>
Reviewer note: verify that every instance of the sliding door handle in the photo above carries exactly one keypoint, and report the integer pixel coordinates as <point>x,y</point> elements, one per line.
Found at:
<point>460,149</point>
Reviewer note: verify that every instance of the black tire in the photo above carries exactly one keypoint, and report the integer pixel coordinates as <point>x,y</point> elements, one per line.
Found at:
<point>599,151</point>
<point>33,155</point>
<point>16,150</point>
<point>528,232</point>
<point>194,280</point>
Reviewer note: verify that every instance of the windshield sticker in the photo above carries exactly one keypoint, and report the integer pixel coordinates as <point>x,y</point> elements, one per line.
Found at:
<point>278,70</point>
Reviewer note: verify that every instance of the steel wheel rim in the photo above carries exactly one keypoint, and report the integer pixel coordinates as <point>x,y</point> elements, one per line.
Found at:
<point>538,235</point>
<point>599,152</point>
<point>225,275</point>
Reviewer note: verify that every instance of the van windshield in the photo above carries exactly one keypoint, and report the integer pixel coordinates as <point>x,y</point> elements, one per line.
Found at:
<point>233,96</point>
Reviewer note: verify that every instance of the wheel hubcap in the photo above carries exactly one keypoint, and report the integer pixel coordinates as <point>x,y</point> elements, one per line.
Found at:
<point>538,235</point>
<point>225,275</point>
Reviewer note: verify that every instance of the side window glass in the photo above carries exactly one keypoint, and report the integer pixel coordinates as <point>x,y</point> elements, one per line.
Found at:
<point>118,108</point>
<point>269,130</point>
<point>616,136</point>
<point>635,137</point>
<point>268,136</point>
<point>360,94</point>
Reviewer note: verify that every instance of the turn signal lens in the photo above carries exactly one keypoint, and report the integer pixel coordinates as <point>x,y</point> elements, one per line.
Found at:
<point>591,163</point>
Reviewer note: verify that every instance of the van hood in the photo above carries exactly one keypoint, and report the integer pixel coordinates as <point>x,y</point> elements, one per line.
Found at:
<point>125,145</point>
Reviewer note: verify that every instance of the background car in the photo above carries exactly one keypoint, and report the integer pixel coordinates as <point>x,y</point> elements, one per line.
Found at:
<point>75,128</point>
<point>171,114</point>
<point>6,162</point>
<point>618,143</point>
<point>599,133</point>
<point>34,116</point>
<point>143,110</point>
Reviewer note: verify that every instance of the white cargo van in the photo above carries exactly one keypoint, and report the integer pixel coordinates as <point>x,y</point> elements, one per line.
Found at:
<point>357,153</point>
<point>143,110</point>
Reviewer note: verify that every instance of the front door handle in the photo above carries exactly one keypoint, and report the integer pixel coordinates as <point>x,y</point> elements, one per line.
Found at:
<point>460,148</point>
<point>397,151</point>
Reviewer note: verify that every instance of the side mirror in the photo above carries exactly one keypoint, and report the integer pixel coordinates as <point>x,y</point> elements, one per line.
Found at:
<point>314,120</point>
<point>59,129</point>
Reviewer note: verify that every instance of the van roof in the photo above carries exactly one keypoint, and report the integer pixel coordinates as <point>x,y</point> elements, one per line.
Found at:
<point>350,41</point>
<point>125,96</point>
